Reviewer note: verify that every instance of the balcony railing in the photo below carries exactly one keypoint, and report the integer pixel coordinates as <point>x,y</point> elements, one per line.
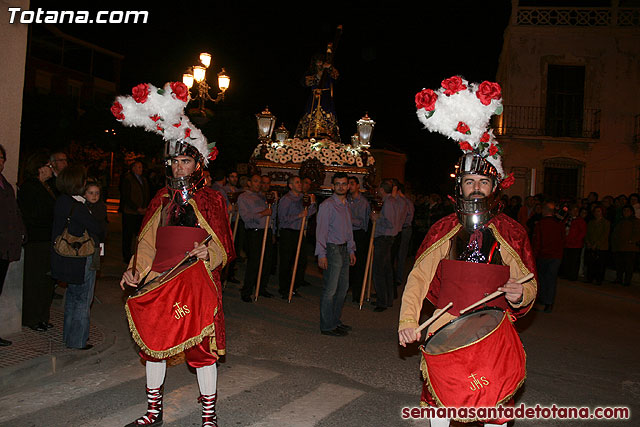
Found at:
<point>520,120</point>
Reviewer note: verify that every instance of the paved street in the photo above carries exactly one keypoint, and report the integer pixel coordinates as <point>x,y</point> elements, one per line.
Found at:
<point>279,370</point>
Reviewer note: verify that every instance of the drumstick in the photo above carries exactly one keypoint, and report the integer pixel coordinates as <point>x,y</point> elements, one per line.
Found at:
<point>368,264</point>
<point>186,257</point>
<point>295,263</point>
<point>434,317</point>
<point>264,243</point>
<point>134,266</point>
<point>235,225</point>
<point>495,294</point>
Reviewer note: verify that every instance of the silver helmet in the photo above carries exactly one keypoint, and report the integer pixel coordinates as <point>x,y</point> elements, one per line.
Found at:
<point>183,188</point>
<point>474,212</point>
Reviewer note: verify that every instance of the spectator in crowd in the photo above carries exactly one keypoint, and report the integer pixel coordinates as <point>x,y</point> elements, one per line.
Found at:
<point>386,230</point>
<point>335,249</point>
<point>233,186</point>
<point>619,203</point>
<point>99,172</point>
<point>575,230</point>
<point>597,246</point>
<point>608,208</point>
<point>77,272</point>
<point>36,200</point>
<point>514,206</point>
<point>218,183</point>
<point>527,211</point>
<point>547,244</point>
<point>243,183</point>
<point>307,185</point>
<point>98,209</point>
<point>634,201</point>
<point>134,198</point>
<point>624,244</point>
<point>12,231</point>
<point>360,210</point>
<point>291,210</point>
<point>58,161</point>
<point>534,218</point>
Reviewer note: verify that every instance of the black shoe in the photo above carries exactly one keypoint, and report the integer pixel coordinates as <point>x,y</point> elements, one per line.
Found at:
<point>379,309</point>
<point>233,280</point>
<point>266,294</point>
<point>344,327</point>
<point>40,327</point>
<point>246,298</point>
<point>4,343</point>
<point>337,332</point>
<point>86,347</point>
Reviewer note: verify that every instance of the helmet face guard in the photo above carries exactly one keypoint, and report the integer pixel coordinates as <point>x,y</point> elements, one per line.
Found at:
<point>474,212</point>
<point>182,188</point>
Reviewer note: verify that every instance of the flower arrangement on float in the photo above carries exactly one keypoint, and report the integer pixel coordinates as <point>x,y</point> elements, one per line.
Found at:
<point>329,153</point>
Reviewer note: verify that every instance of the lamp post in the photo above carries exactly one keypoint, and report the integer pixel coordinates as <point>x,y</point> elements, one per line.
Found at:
<point>265,121</point>
<point>197,76</point>
<point>365,129</point>
<point>281,134</point>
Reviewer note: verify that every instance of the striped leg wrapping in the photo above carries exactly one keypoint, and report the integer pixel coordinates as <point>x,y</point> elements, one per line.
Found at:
<point>153,417</point>
<point>209,417</point>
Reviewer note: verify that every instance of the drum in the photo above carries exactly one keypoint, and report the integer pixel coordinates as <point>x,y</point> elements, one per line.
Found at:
<point>174,312</point>
<point>476,360</point>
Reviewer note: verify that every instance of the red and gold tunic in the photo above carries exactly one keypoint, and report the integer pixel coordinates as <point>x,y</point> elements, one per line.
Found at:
<point>162,246</point>
<point>440,279</point>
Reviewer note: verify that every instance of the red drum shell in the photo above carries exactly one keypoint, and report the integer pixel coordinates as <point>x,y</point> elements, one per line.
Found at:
<point>476,360</point>
<point>174,313</point>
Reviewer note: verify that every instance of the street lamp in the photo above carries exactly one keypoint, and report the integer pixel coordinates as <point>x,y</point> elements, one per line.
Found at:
<point>197,75</point>
<point>365,128</point>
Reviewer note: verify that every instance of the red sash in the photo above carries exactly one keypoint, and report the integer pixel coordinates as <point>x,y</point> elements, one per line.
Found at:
<point>176,313</point>
<point>172,243</point>
<point>464,283</point>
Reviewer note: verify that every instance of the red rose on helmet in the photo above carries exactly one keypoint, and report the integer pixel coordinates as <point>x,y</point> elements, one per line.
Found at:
<point>213,154</point>
<point>453,85</point>
<point>463,128</point>
<point>488,91</point>
<point>426,99</point>
<point>116,110</point>
<point>180,90</point>
<point>485,137</point>
<point>140,93</point>
<point>508,181</point>
<point>155,117</point>
<point>465,146</point>
<point>493,149</point>
<point>187,132</point>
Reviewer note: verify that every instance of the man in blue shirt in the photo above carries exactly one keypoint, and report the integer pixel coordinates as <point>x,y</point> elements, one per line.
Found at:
<point>254,211</point>
<point>290,213</point>
<point>386,230</point>
<point>404,237</point>
<point>335,249</point>
<point>360,210</point>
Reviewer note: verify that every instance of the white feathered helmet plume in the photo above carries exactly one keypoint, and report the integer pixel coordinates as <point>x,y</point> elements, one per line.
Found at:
<point>162,111</point>
<point>462,111</point>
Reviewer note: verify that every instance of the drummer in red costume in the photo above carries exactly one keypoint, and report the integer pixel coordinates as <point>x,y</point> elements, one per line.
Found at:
<point>179,217</point>
<point>477,250</point>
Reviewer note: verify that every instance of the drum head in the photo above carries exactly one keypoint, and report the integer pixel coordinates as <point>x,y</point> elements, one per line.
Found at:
<point>463,331</point>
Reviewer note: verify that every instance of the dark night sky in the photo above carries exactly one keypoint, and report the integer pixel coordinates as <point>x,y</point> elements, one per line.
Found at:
<point>385,55</point>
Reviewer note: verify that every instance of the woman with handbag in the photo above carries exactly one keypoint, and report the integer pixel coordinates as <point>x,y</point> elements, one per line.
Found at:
<point>75,236</point>
<point>36,200</point>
